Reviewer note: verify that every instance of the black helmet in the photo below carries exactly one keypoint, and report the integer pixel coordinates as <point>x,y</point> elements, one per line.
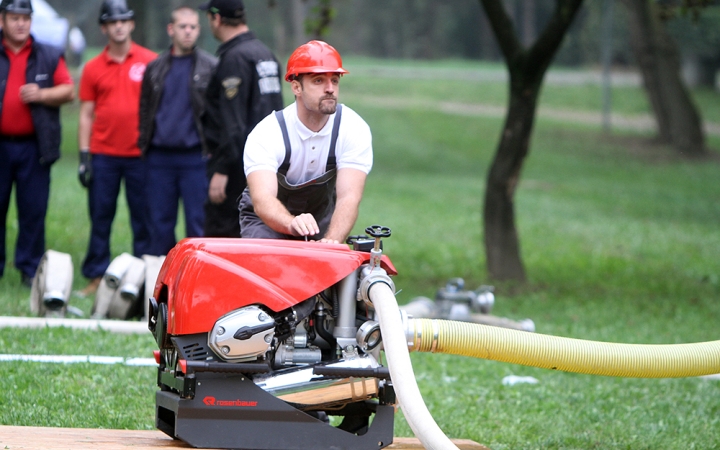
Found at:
<point>16,6</point>
<point>113,10</point>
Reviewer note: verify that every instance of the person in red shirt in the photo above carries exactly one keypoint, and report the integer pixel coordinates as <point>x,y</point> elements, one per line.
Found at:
<point>107,136</point>
<point>34,82</point>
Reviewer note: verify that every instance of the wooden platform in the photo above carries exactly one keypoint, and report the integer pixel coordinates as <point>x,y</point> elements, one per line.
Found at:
<point>40,438</point>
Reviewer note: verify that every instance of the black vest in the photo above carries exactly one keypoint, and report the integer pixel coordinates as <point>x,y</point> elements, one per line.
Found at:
<point>41,65</point>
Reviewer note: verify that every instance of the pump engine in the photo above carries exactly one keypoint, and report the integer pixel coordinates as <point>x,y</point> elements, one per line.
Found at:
<point>264,344</point>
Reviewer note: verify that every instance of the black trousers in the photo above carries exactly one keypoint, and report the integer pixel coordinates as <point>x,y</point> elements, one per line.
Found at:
<point>222,219</point>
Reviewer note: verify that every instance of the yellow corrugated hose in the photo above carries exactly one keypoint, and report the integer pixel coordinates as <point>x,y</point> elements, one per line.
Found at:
<point>566,354</point>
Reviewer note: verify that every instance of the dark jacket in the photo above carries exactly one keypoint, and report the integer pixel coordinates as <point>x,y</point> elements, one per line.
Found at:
<point>41,65</point>
<point>246,88</point>
<point>152,87</point>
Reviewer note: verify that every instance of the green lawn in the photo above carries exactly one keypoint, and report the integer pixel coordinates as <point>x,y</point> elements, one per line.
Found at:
<point>619,238</point>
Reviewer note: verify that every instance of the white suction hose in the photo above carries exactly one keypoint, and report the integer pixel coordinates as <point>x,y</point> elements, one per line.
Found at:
<point>51,287</point>
<point>116,270</point>
<point>152,270</point>
<point>401,371</point>
<point>133,280</point>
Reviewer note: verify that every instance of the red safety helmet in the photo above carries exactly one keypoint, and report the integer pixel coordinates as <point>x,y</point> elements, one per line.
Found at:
<point>314,57</point>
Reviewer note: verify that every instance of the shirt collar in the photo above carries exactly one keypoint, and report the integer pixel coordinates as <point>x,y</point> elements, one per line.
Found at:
<point>234,41</point>
<point>306,133</point>
<point>130,53</point>
<point>25,46</point>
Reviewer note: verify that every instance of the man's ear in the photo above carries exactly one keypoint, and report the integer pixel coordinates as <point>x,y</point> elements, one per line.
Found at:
<point>296,86</point>
<point>213,17</point>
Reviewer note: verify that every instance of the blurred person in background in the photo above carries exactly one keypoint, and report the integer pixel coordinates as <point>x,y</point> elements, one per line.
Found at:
<point>34,82</point>
<point>107,136</point>
<point>245,88</point>
<point>171,134</point>
<point>76,43</point>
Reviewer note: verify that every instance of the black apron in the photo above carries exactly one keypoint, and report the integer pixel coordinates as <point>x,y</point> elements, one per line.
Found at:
<point>316,197</point>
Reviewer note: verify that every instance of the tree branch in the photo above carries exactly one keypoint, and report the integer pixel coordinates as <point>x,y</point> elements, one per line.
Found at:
<point>503,28</point>
<point>552,35</point>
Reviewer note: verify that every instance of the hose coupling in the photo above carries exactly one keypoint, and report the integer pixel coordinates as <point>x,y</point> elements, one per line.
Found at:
<point>422,335</point>
<point>369,276</point>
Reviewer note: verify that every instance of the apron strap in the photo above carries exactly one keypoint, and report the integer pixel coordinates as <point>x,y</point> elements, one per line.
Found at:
<point>283,127</point>
<point>333,139</point>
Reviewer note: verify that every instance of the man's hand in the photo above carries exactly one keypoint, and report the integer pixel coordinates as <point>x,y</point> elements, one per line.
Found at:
<point>85,168</point>
<point>304,225</point>
<point>216,191</point>
<point>30,93</point>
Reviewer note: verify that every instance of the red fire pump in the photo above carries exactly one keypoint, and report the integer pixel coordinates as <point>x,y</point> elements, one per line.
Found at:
<point>264,344</point>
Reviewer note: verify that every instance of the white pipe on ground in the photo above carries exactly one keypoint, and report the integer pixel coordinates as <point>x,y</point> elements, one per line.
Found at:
<point>113,326</point>
<point>75,359</point>
<point>401,371</point>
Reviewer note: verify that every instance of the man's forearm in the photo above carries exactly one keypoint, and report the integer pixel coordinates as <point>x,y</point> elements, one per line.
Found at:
<point>343,220</point>
<point>274,214</point>
<point>57,95</point>
<point>85,127</point>
<point>349,188</point>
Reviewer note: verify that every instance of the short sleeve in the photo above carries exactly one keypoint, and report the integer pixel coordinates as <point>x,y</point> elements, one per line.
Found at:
<point>87,92</point>
<point>264,148</point>
<point>62,74</point>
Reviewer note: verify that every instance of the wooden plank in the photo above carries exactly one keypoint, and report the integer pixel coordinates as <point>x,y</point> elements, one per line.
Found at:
<point>410,443</point>
<point>42,438</point>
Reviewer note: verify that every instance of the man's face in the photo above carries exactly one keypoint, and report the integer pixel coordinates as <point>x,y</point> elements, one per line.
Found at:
<point>118,31</point>
<point>318,92</point>
<point>184,31</point>
<point>214,21</point>
<point>16,27</point>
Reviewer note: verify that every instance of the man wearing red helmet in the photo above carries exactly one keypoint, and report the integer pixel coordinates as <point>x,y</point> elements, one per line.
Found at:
<point>306,165</point>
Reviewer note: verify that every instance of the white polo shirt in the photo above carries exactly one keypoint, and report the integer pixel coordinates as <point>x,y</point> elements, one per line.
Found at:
<point>265,148</point>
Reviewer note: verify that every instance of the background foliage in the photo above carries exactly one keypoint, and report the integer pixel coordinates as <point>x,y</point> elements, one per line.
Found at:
<point>416,29</point>
<point>620,241</point>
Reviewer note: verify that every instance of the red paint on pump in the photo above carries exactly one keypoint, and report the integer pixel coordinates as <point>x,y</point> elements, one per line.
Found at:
<point>208,277</point>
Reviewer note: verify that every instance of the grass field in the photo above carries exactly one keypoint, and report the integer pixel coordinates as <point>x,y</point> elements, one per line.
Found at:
<point>620,240</point>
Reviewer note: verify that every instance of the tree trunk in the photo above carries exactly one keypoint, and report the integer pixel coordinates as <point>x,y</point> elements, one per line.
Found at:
<point>502,244</point>
<point>678,120</point>
<point>527,68</point>
<point>528,22</point>
<point>298,10</point>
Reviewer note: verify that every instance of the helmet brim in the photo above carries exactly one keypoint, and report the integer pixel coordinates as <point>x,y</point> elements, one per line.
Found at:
<point>27,11</point>
<point>315,69</point>
<point>105,18</point>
